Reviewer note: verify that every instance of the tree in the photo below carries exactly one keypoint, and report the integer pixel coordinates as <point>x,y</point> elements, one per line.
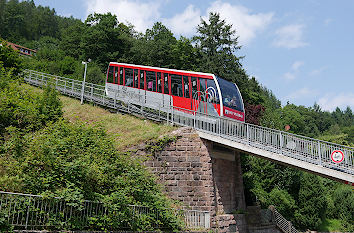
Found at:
<point>160,44</point>
<point>71,40</point>
<point>9,59</point>
<point>218,43</point>
<point>311,204</point>
<point>101,40</point>
<point>185,54</point>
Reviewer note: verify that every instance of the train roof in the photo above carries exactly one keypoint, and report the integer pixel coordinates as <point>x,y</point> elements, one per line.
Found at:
<point>166,69</point>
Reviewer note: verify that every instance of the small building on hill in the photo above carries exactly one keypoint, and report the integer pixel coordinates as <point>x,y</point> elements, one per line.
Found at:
<point>22,50</point>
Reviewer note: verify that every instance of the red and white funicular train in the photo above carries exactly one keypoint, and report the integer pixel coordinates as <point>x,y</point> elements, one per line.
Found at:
<point>186,91</point>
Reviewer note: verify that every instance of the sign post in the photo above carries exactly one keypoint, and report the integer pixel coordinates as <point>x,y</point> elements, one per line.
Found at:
<point>337,156</point>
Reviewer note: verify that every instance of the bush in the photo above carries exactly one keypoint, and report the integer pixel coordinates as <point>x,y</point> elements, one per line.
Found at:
<point>343,199</point>
<point>79,162</point>
<point>9,59</point>
<point>26,109</point>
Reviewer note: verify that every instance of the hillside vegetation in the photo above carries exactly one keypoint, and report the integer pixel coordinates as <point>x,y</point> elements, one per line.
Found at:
<point>309,201</point>
<point>124,130</point>
<point>48,150</point>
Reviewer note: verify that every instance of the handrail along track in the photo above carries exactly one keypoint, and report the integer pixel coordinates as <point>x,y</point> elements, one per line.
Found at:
<point>315,152</point>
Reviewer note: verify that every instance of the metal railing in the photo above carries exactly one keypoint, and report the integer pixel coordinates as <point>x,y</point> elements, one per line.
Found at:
<point>35,212</point>
<point>293,146</point>
<point>281,222</point>
<point>196,219</point>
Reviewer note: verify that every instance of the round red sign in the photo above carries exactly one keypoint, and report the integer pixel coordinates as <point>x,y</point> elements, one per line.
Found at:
<point>337,156</point>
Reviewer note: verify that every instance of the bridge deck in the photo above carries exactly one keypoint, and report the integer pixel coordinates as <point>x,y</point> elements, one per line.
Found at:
<point>294,150</point>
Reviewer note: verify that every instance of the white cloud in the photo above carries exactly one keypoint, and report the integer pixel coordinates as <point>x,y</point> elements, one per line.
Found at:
<point>246,23</point>
<point>144,14</point>
<point>302,93</point>
<point>294,70</point>
<point>328,21</point>
<point>186,22</point>
<point>318,71</point>
<point>330,101</point>
<point>296,65</point>
<point>290,36</point>
<point>141,15</point>
<point>289,76</point>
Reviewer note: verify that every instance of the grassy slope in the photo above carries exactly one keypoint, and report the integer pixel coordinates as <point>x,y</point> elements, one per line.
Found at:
<point>125,130</point>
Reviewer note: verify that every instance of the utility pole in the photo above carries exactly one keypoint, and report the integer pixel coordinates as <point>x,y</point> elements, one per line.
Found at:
<point>83,83</point>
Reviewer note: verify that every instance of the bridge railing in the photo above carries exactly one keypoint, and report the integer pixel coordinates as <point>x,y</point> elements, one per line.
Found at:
<point>36,212</point>
<point>293,146</point>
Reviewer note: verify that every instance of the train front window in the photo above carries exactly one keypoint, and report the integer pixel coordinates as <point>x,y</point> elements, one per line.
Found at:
<point>110,74</point>
<point>231,97</point>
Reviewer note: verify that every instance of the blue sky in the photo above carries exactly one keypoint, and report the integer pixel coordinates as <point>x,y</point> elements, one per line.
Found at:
<point>301,50</point>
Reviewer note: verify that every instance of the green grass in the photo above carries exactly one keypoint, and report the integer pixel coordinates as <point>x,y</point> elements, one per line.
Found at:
<point>330,225</point>
<point>125,130</point>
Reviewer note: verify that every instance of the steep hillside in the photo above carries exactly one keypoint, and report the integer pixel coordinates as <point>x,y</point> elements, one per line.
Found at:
<point>125,130</point>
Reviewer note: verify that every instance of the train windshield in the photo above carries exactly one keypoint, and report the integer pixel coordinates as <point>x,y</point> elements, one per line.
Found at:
<point>231,96</point>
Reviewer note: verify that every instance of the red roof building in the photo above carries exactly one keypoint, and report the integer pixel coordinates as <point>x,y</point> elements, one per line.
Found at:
<point>22,50</point>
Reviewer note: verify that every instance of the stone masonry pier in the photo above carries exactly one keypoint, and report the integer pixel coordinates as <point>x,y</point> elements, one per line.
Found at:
<point>203,176</point>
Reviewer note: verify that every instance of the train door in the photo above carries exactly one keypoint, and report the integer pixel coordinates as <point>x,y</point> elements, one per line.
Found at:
<point>195,93</point>
<point>167,98</point>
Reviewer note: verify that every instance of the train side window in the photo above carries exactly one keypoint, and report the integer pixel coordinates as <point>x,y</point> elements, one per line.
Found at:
<point>142,79</point>
<point>176,85</point>
<point>150,81</point>
<point>186,86</point>
<point>202,87</point>
<point>121,78</point>
<point>136,78</point>
<point>159,82</point>
<point>110,74</point>
<point>128,77</point>
<point>194,87</point>
<point>212,91</point>
<point>166,85</point>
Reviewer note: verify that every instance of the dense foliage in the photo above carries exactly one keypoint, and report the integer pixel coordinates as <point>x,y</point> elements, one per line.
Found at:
<point>62,44</point>
<point>41,153</point>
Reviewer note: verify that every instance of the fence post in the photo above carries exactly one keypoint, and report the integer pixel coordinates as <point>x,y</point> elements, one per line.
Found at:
<point>159,112</point>
<point>172,115</point>
<point>115,98</point>
<point>248,134</point>
<point>319,153</point>
<point>27,216</point>
<point>281,142</point>
<point>207,220</point>
<point>219,126</point>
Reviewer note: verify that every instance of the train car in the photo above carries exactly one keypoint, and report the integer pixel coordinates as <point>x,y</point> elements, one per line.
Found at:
<point>186,91</point>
